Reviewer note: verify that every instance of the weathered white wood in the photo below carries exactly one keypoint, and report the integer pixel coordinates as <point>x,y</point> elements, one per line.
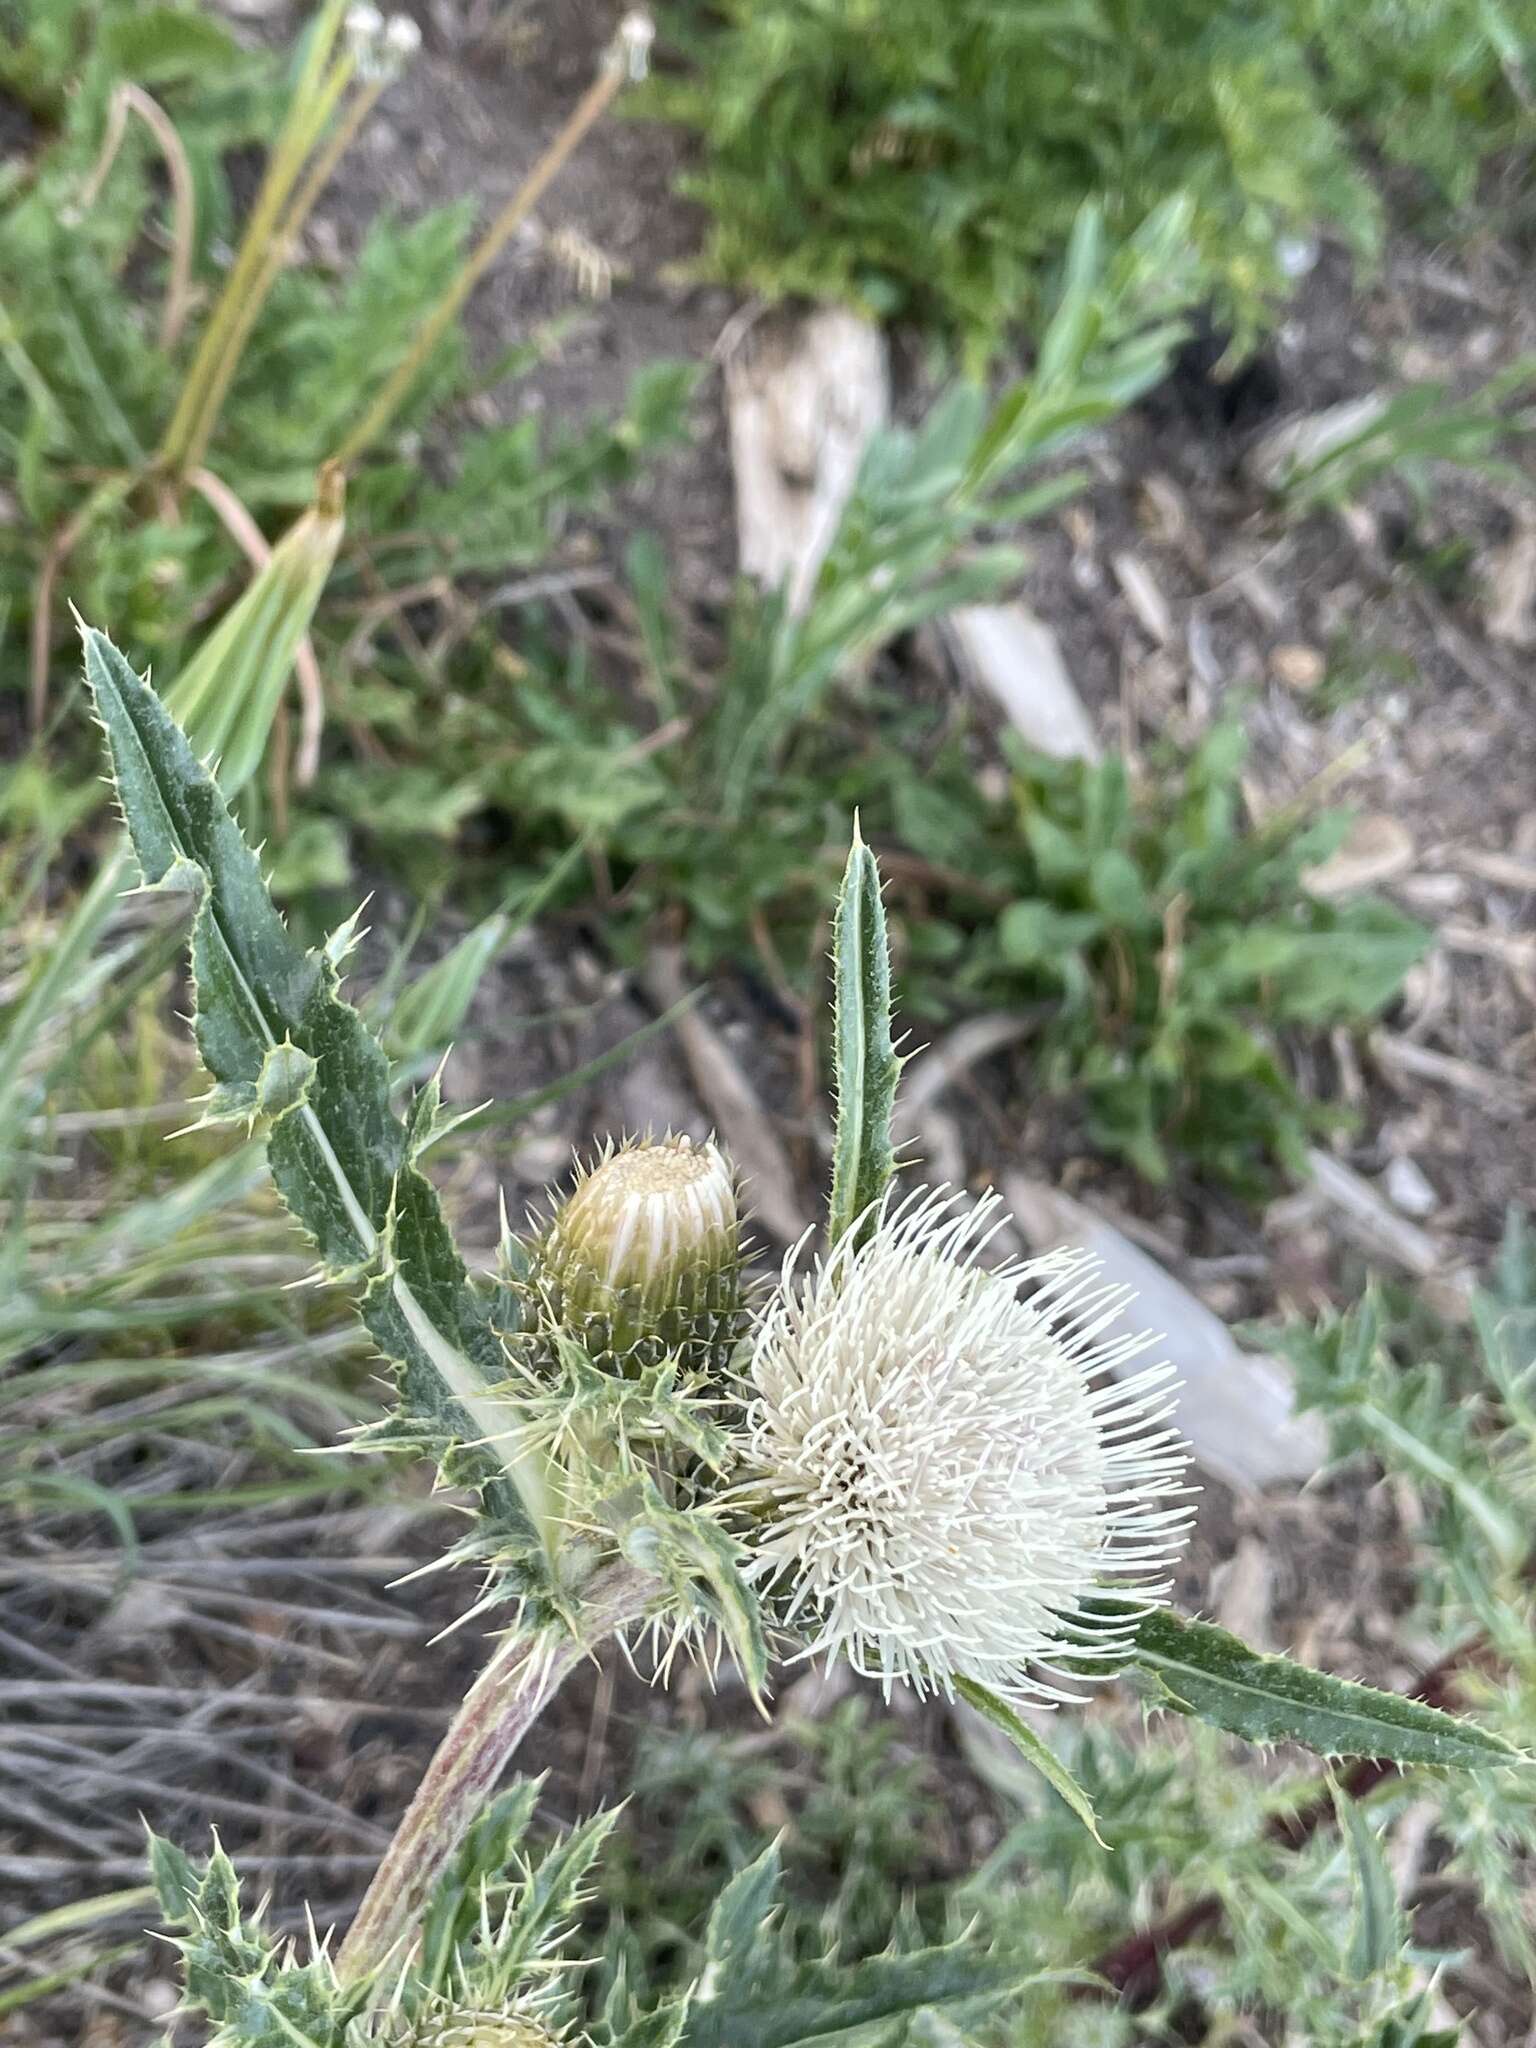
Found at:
<point>804,395</point>
<point>1017,660</point>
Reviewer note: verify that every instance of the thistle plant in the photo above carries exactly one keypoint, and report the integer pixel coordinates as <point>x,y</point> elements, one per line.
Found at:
<point>894,1457</point>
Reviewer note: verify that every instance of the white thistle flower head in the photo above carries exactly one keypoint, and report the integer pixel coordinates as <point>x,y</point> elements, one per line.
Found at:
<point>946,1475</point>
<point>644,1255</point>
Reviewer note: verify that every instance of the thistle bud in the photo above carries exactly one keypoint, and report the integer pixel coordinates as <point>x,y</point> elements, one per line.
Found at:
<point>487,2030</point>
<point>643,1258</point>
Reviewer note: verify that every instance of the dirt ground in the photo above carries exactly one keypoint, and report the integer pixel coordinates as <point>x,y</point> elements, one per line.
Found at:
<point>1174,585</point>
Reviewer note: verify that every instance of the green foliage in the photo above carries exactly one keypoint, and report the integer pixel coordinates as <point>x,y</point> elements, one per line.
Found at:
<point>1175,943</point>
<point>1405,436</point>
<point>1451,1410</point>
<point>284,1049</point>
<point>129,1270</point>
<point>1202,1670</point>
<point>1169,946</point>
<point>928,162</point>
<point>563,1457</point>
<point>90,378</point>
<point>1437,86</point>
<point>867,1821</point>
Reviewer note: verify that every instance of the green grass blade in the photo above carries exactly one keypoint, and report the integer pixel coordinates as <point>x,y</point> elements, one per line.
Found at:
<point>226,698</point>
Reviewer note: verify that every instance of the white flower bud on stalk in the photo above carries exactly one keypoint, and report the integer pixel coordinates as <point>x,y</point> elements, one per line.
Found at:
<point>380,48</point>
<point>633,43</point>
<point>644,1257</point>
<point>945,1479</point>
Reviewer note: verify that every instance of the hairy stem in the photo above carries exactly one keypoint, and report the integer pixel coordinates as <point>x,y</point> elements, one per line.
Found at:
<point>498,1711</point>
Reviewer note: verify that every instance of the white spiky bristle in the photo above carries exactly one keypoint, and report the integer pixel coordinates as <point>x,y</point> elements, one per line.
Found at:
<point>944,1470</point>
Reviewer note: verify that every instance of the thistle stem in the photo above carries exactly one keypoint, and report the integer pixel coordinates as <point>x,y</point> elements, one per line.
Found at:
<point>498,1711</point>
<point>397,387</point>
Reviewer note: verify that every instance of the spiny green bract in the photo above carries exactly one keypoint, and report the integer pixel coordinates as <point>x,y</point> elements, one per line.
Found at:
<point>491,1965</point>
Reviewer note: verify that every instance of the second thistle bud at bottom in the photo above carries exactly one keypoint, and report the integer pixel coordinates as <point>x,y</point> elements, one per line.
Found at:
<point>485,2030</point>
<point>643,1258</point>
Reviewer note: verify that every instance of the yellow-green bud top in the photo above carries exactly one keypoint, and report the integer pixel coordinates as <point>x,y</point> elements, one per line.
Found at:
<point>486,2030</point>
<point>644,1256</point>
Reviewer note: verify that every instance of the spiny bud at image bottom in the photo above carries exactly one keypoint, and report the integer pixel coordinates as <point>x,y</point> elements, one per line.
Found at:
<point>485,2030</point>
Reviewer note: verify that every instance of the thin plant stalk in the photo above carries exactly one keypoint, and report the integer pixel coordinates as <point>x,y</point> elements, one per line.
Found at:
<point>497,1713</point>
<point>280,244</point>
<point>619,65</point>
<point>130,98</point>
<point>315,99</point>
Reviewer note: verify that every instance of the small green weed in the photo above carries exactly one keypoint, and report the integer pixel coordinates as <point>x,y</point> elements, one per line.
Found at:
<point>1175,946</point>
<point>159,404</point>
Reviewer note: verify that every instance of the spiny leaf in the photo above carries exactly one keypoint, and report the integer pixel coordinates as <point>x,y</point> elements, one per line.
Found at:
<point>452,1916</point>
<point>1034,1749</point>
<point>865,1059</point>
<point>337,1152</point>
<point>1202,1670</point>
<point>820,1999</point>
<point>661,2028</point>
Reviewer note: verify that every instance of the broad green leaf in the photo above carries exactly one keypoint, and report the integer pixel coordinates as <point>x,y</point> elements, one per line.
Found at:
<point>157,45</point>
<point>341,1159</point>
<point>1034,1749</point>
<point>1202,1670</point>
<point>865,1060</point>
